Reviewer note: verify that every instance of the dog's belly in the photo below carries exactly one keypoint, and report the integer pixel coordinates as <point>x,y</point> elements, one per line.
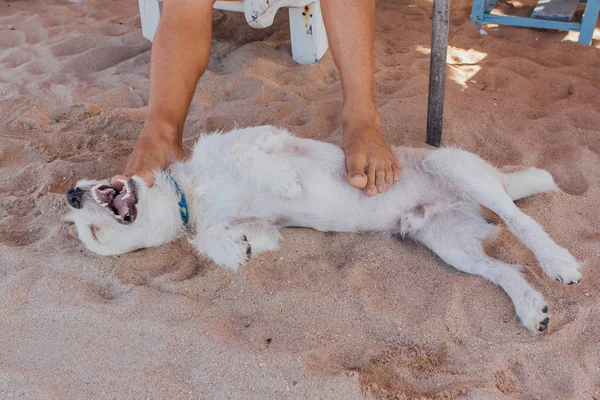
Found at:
<point>342,221</point>
<point>303,183</point>
<point>328,203</point>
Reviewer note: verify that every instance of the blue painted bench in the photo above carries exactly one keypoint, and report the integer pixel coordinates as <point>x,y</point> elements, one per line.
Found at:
<point>548,14</point>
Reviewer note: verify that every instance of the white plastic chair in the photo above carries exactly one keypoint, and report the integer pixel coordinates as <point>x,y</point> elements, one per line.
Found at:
<point>309,39</point>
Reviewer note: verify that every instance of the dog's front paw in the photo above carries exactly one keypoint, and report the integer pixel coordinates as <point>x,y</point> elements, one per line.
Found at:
<point>562,266</point>
<point>232,253</point>
<point>247,249</point>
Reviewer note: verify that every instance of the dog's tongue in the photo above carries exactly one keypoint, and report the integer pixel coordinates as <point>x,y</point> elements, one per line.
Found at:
<point>120,204</point>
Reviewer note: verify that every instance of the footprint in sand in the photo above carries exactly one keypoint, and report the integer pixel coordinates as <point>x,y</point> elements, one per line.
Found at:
<point>558,160</point>
<point>15,58</point>
<point>100,58</point>
<point>34,32</point>
<point>19,234</point>
<point>300,118</point>
<point>387,88</point>
<point>508,82</point>
<point>399,372</point>
<point>242,88</point>
<point>175,262</point>
<point>536,113</point>
<point>79,44</point>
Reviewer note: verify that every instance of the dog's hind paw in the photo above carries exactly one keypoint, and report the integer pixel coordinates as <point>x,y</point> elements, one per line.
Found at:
<point>537,320</point>
<point>533,311</point>
<point>248,251</point>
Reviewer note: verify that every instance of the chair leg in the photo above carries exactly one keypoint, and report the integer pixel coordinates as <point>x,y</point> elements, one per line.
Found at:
<point>309,38</point>
<point>150,16</point>
<point>477,12</point>
<point>589,20</point>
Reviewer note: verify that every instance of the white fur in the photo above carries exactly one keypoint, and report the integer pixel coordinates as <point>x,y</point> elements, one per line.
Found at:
<point>241,187</point>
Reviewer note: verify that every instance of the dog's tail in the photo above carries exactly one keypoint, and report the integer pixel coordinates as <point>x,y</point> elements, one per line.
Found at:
<point>529,182</point>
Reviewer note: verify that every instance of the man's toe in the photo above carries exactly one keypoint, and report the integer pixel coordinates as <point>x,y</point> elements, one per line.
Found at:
<point>380,180</point>
<point>396,169</point>
<point>389,177</point>
<point>356,166</point>
<point>371,189</point>
<point>358,180</point>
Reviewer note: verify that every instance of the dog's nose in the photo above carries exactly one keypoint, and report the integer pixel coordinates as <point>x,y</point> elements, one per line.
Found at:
<point>74,197</point>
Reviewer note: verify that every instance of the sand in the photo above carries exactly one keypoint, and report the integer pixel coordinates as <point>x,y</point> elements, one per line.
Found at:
<point>338,316</point>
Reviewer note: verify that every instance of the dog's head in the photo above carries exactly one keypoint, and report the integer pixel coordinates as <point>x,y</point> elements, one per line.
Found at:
<point>112,221</point>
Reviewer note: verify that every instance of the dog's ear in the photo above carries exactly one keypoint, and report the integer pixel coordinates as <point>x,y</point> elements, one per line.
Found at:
<point>68,217</point>
<point>73,231</point>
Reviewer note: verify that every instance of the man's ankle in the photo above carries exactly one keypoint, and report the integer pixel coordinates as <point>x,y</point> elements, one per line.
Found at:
<point>162,130</point>
<point>359,116</point>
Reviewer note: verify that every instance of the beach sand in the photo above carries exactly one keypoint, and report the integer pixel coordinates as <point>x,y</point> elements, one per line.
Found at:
<point>338,316</point>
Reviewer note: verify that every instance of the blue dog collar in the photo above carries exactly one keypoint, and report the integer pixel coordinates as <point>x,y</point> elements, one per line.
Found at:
<point>183,208</point>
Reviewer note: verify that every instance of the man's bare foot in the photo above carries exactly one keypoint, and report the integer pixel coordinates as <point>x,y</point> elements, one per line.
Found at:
<point>155,149</point>
<point>370,162</point>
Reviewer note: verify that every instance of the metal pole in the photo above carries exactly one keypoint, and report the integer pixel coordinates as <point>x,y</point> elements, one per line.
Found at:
<point>437,71</point>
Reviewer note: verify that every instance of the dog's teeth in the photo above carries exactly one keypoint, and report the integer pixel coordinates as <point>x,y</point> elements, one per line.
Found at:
<point>118,217</point>
<point>126,196</point>
<point>125,184</point>
<point>103,204</point>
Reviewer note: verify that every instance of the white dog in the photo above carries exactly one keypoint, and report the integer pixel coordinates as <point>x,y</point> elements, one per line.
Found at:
<point>239,188</point>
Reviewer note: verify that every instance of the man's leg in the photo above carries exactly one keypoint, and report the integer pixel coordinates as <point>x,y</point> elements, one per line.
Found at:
<point>350,28</point>
<point>180,54</point>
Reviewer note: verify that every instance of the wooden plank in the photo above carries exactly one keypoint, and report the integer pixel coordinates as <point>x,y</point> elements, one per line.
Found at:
<point>437,71</point>
<point>489,5</point>
<point>555,10</point>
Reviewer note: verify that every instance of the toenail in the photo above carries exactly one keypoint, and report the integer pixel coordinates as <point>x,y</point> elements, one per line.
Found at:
<point>380,188</point>
<point>545,309</point>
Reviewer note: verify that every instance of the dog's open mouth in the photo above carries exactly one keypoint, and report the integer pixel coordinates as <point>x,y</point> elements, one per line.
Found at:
<point>121,204</point>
